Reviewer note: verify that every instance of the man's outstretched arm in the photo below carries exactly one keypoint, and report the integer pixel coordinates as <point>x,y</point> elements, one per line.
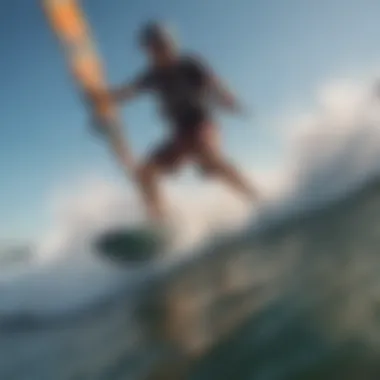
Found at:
<point>131,89</point>
<point>123,93</point>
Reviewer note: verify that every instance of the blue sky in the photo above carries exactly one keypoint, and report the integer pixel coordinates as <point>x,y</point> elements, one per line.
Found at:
<point>273,53</point>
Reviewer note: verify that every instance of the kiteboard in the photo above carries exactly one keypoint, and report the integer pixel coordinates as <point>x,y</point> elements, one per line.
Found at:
<point>131,244</point>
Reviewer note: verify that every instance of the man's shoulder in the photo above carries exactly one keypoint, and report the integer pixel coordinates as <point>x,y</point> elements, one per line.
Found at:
<point>191,58</point>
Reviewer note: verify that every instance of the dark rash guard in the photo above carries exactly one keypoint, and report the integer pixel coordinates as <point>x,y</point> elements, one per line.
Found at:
<point>182,89</point>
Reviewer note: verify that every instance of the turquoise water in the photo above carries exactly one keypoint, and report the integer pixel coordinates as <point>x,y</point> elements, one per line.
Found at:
<point>321,322</point>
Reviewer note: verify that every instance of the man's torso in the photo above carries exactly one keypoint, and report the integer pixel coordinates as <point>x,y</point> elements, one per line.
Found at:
<point>182,89</point>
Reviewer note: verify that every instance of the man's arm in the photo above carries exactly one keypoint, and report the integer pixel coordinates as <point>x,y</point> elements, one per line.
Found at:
<point>125,92</point>
<point>219,91</point>
<point>128,91</point>
<point>223,94</point>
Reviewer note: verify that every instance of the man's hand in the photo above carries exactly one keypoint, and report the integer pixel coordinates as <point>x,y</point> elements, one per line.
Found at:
<point>226,98</point>
<point>230,103</point>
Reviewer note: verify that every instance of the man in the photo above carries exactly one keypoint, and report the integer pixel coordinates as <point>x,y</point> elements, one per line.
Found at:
<point>186,89</point>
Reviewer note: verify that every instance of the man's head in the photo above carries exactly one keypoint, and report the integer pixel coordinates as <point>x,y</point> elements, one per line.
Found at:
<point>157,40</point>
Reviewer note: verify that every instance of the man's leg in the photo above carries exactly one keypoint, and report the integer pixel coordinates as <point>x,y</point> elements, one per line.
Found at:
<point>211,160</point>
<point>228,173</point>
<point>165,159</point>
<point>148,181</point>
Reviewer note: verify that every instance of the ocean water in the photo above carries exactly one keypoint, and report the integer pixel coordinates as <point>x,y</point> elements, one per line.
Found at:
<point>322,324</point>
<point>315,254</point>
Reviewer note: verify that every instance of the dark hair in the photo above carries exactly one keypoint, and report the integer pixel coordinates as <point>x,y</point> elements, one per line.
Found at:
<point>155,33</point>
